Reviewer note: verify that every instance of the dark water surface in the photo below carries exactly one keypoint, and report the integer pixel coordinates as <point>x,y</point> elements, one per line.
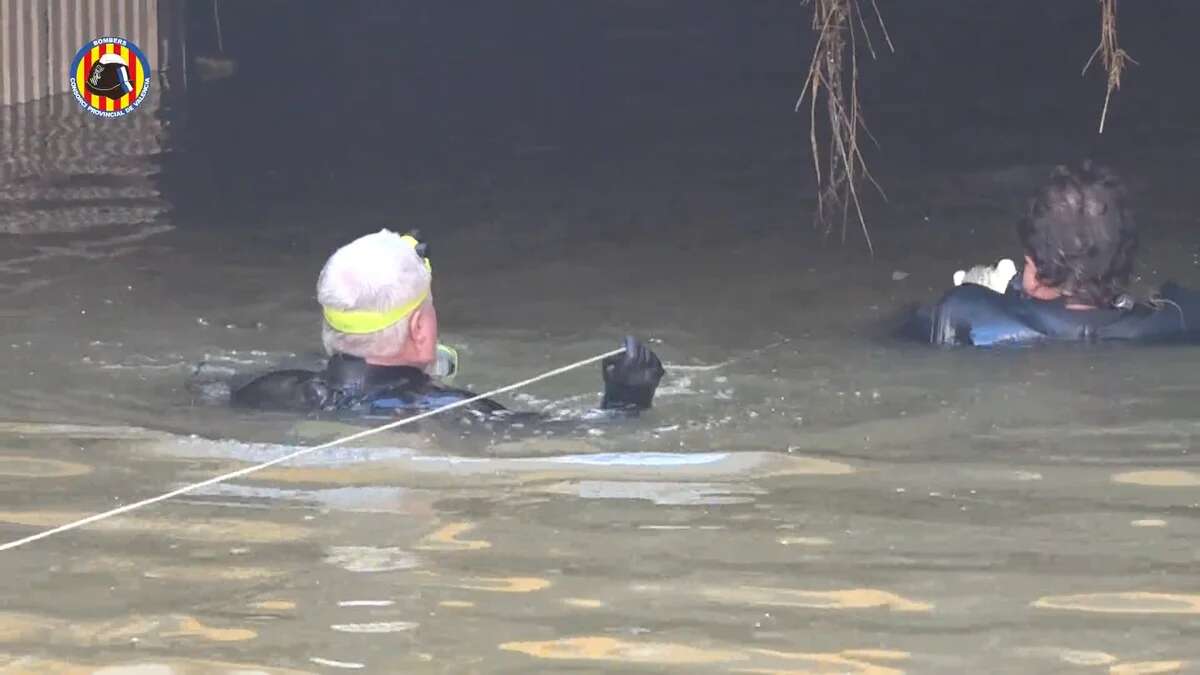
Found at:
<point>807,496</point>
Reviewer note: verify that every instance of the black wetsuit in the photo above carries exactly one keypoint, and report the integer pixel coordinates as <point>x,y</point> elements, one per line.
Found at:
<point>351,385</point>
<point>978,316</point>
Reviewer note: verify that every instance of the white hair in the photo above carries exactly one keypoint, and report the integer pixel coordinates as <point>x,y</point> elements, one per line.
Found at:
<point>378,272</point>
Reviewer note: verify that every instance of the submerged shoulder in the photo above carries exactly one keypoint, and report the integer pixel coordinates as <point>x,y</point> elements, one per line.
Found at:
<point>1173,314</point>
<point>979,316</point>
<point>293,389</point>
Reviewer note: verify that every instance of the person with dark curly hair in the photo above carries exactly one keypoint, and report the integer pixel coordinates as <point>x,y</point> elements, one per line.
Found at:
<point>1079,240</point>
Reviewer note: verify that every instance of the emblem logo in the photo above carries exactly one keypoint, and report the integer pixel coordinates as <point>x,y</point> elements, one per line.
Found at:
<point>110,77</point>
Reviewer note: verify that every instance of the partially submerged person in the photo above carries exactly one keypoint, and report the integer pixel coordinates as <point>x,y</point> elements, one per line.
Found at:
<point>380,330</point>
<point>1079,239</point>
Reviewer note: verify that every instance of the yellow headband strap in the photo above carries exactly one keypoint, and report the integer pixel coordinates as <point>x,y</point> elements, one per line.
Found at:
<point>358,322</point>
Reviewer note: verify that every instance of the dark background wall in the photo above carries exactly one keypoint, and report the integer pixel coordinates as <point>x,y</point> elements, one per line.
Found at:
<point>347,100</point>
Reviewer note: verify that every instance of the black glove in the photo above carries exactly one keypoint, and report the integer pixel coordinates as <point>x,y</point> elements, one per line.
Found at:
<point>631,377</point>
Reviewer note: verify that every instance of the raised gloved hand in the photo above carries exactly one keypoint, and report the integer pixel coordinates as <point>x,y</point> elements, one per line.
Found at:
<point>630,378</point>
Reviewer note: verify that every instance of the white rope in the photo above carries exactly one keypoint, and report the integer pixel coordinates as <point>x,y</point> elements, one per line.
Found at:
<point>718,366</point>
<point>303,451</point>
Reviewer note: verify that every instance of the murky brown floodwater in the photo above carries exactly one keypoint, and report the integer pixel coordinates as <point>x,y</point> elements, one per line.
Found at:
<point>835,503</point>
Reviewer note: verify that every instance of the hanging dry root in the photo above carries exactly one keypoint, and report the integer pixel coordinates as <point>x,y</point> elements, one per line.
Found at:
<point>838,24</point>
<point>1111,55</point>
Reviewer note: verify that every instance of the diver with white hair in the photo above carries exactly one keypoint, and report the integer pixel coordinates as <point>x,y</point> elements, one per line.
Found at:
<point>380,330</point>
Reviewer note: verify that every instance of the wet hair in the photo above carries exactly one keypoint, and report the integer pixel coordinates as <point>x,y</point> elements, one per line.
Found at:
<point>1080,233</point>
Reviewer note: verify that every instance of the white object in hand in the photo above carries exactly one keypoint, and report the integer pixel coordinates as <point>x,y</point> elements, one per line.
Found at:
<point>996,278</point>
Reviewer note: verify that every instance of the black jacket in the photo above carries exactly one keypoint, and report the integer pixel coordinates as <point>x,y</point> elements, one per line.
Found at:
<point>978,316</point>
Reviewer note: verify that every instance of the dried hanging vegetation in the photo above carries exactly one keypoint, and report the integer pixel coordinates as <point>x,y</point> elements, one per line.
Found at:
<point>1111,55</point>
<point>839,25</point>
<point>840,167</point>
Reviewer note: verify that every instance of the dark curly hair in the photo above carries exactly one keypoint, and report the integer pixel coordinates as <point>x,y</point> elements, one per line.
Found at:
<point>1080,233</point>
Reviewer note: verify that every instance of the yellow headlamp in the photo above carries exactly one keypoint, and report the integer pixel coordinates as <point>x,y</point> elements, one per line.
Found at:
<point>358,322</point>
